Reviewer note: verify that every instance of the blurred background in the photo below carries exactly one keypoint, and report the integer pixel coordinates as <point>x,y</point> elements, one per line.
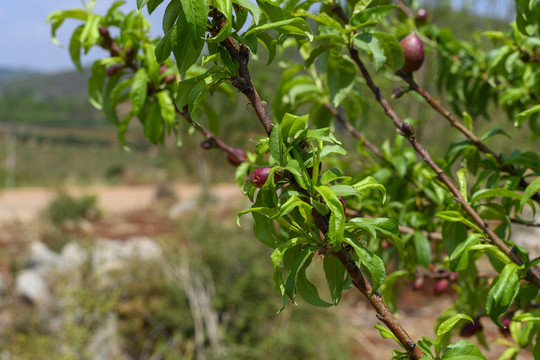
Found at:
<point>110,254</point>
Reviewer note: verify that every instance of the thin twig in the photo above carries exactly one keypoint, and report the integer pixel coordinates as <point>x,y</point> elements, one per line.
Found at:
<point>413,85</point>
<point>525,223</point>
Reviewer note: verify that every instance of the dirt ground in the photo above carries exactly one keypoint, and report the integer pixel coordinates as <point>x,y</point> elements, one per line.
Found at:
<point>130,211</point>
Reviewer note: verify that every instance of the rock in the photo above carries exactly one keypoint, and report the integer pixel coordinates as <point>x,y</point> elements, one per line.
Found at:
<point>40,256</point>
<point>141,247</point>
<point>73,256</point>
<point>31,287</point>
<point>106,256</point>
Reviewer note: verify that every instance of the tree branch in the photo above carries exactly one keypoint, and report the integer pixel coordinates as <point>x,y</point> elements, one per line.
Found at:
<point>377,302</point>
<point>243,82</point>
<point>407,131</point>
<point>408,77</point>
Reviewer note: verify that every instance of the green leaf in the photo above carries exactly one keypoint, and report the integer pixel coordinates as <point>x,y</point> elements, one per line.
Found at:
<point>386,227</point>
<point>302,261</point>
<point>503,291</point>
<point>308,291</point>
<point>422,248</point>
<point>531,316</point>
<point>153,124</point>
<point>196,14</point>
<point>468,120</point>
<point>293,26</point>
<point>335,276</point>
<point>57,18</point>
<point>463,350</point>
<point>254,10</point>
<point>95,85</point>
<point>152,66</point>
<point>369,183</point>
<point>152,5</point>
<point>459,257</point>
<point>75,48</point>
<point>455,216</point>
<point>340,74</point>
<point>392,50</point>
<point>276,144</point>
<point>122,129</point>
<point>443,331</point>
<point>372,46</point>
<point>109,103</point>
<point>292,124</point>
<point>345,190</point>
<point>292,203</point>
<point>138,91</point>
<point>371,262</point>
<point>336,223</point>
<point>167,109</point>
<point>141,4</point>
<point>271,10</point>
<point>385,334</point>
<point>277,257</point>
<point>90,33</point>
<point>164,47</point>
<point>270,45</point>
<point>375,13</point>
<point>524,115</point>
<point>171,14</point>
<point>489,193</point>
<point>186,49</point>
<point>529,192</point>
<point>462,178</point>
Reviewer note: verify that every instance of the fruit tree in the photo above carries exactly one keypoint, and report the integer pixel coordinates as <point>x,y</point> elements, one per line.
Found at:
<point>398,215</point>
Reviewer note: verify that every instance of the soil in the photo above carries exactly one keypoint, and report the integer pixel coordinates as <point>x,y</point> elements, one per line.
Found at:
<point>146,211</point>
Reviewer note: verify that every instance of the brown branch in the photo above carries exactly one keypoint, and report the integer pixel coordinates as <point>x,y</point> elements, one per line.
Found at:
<point>377,302</point>
<point>362,284</point>
<point>243,82</point>
<point>405,9</point>
<point>407,131</point>
<point>413,85</point>
<point>209,135</point>
<point>525,223</point>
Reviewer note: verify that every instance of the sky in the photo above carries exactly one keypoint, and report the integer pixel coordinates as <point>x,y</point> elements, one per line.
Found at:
<point>26,38</point>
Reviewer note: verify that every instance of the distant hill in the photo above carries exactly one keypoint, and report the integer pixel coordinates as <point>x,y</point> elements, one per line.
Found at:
<point>69,84</point>
<point>11,73</point>
<point>47,99</point>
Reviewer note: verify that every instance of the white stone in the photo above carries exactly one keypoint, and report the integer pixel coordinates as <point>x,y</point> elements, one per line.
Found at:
<point>32,287</point>
<point>142,247</point>
<point>73,256</point>
<point>40,256</point>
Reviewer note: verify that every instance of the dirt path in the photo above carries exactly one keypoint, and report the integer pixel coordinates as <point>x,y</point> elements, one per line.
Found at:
<point>26,203</point>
